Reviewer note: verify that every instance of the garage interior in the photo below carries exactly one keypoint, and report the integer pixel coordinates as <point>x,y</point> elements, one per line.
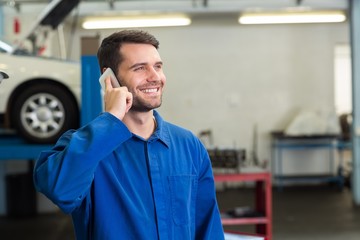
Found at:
<point>271,102</point>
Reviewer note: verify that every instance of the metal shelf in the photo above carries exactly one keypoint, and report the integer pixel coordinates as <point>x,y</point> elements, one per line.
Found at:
<point>263,201</point>
<point>308,143</point>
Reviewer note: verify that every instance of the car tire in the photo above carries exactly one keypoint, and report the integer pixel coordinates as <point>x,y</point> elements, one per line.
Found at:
<point>41,113</point>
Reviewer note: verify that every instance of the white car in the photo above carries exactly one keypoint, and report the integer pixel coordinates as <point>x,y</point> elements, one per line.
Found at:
<point>41,97</point>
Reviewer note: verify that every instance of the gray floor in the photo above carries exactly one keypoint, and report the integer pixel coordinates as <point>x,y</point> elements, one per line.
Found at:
<point>305,212</point>
<point>299,213</point>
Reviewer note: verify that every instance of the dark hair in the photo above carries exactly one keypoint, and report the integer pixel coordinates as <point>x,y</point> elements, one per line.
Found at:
<point>108,53</point>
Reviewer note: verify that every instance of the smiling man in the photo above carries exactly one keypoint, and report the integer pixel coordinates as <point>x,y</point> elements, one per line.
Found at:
<point>129,174</point>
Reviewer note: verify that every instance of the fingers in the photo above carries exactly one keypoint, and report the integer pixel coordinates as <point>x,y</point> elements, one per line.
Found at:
<point>129,100</point>
<point>118,101</point>
<point>108,85</point>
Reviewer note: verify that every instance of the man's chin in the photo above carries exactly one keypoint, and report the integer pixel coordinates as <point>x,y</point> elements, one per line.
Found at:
<point>144,108</point>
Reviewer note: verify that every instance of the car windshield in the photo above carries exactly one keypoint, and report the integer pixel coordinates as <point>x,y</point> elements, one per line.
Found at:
<point>8,48</point>
<point>5,47</point>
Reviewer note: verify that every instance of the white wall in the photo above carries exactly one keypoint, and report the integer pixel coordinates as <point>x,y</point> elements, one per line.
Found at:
<point>229,78</point>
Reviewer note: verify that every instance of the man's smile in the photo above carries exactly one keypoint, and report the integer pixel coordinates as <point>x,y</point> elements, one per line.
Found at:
<point>150,90</point>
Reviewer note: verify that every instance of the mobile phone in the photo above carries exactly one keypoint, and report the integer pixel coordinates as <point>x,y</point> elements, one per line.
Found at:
<point>114,82</point>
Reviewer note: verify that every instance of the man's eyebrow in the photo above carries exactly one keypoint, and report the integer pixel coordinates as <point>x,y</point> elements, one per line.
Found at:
<point>143,64</point>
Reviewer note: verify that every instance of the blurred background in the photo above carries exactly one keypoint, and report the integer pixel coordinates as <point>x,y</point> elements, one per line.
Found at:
<point>269,86</point>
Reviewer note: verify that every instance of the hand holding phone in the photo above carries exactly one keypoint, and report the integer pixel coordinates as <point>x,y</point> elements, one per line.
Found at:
<point>117,100</point>
<point>114,82</point>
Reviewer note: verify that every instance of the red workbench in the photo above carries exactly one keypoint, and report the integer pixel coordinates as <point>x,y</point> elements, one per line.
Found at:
<point>263,201</point>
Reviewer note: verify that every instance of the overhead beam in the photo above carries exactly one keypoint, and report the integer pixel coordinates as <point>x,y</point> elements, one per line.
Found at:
<point>185,6</point>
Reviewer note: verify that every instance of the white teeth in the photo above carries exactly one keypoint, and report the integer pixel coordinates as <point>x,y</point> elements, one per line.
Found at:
<point>152,90</point>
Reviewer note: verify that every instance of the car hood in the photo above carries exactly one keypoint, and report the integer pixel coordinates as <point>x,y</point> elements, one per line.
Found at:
<point>34,62</point>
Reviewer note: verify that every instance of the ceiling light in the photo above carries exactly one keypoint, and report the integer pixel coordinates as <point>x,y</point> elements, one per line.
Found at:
<point>292,17</point>
<point>133,22</point>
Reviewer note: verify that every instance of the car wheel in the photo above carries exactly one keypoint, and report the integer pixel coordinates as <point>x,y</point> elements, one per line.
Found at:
<point>43,112</point>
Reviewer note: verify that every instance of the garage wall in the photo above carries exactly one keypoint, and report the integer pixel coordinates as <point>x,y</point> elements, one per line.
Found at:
<point>231,78</point>
<point>247,76</point>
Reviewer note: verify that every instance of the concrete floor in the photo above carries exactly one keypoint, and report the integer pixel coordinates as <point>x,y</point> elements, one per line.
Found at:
<point>299,213</point>
<point>305,212</point>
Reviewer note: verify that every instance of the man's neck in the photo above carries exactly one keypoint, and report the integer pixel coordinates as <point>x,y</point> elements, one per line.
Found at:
<point>140,123</point>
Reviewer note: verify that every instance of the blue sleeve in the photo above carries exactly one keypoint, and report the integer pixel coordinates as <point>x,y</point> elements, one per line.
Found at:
<point>65,173</point>
<point>208,220</point>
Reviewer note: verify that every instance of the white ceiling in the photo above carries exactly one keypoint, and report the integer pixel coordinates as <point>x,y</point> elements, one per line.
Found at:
<point>89,6</point>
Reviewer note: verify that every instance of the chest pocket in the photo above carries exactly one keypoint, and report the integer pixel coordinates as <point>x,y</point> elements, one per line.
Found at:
<point>183,190</point>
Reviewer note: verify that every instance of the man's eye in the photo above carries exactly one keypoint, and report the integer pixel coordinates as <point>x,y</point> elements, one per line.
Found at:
<point>158,66</point>
<point>139,68</point>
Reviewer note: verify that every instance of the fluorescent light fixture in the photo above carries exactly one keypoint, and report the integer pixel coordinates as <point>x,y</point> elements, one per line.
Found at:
<point>292,17</point>
<point>134,22</point>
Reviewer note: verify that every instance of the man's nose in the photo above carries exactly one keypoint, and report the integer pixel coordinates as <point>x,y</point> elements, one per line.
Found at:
<point>154,74</point>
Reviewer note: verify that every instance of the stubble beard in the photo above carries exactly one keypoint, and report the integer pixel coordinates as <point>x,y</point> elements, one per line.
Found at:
<point>142,105</point>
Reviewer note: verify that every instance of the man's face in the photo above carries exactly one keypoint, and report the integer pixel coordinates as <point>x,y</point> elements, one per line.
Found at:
<point>141,71</point>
